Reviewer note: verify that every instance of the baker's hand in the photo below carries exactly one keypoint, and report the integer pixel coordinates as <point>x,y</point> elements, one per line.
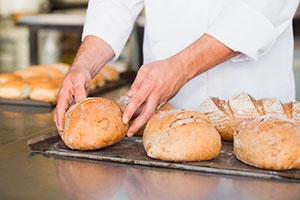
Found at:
<point>154,85</point>
<point>75,88</point>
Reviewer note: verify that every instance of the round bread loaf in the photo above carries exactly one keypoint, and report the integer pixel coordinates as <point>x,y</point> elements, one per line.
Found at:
<point>181,135</point>
<point>269,142</point>
<point>93,123</point>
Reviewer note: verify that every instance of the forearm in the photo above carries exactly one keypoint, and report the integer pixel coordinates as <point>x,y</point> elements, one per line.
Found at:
<point>202,55</point>
<point>92,54</point>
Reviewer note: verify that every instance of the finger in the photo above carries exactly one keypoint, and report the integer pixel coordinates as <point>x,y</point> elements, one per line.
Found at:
<point>138,98</point>
<point>80,92</point>
<point>147,112</point>
<point>63,103</point>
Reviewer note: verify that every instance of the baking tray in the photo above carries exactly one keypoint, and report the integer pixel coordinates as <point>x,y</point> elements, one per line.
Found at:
<point>125,78</point>
<point>131,151</point>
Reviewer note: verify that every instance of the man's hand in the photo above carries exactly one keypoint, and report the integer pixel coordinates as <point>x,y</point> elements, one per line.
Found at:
<point>92,55</point>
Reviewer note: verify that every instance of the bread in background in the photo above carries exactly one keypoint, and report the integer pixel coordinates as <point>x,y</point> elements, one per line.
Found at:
<point>19,89</point>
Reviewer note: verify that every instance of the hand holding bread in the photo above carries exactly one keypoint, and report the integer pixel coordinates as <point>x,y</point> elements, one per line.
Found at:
<point>93,123</point>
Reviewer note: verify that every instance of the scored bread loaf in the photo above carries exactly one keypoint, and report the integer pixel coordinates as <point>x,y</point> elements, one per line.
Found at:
<point>227,115</point>
<point>93,123</point>
<point>181,135</point>
<point>268,142</point>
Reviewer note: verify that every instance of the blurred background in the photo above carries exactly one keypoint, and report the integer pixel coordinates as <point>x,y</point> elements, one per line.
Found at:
<point>55,36</point>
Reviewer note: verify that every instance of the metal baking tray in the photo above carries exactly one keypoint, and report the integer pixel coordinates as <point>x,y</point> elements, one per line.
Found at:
<point>131,151</point>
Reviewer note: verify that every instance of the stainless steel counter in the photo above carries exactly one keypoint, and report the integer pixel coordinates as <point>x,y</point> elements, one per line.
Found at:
<point>24,175</point>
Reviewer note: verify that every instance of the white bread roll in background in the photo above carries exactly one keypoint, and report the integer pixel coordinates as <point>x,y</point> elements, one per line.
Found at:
<point>181,135</point>
<point>110,73</point>
<point>44,91</point>
<point>93,123</point>
<point>269,142</point>
<point>15,90</point>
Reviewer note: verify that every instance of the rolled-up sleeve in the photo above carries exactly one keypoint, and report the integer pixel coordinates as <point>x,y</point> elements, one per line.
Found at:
<point>112,21</point>
<point>250,26</point>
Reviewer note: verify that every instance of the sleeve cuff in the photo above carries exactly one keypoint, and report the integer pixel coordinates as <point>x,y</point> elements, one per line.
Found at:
<point>243,29</point>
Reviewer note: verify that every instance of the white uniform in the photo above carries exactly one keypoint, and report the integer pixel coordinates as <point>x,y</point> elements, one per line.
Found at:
<point>260,29</point>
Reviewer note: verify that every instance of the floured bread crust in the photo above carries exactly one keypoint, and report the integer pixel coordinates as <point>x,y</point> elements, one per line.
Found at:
<point>227,115</point>
<point>269,142</point>
<point>181,135</point>
<point>93,123</point>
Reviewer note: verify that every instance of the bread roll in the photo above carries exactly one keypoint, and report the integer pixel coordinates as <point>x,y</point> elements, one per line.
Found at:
<point>44,91</point>
<point>62,67</point>
<point>110,73</point>
<point>50,71</point>
<point>100,80</point>
<point>33,80</point>
<point>227,115</point>
<point>93,123</point>
<point>5,77</point>
<point>269,142</point>
<point>15,90</point>
<point>181,135</point>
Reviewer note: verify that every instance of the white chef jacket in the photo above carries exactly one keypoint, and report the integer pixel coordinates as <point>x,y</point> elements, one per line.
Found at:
<point>260,29</point>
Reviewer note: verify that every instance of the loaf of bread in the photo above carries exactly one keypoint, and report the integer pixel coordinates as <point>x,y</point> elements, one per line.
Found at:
<point>181,135</point>
<point>110,73</point>
<point>93,123</point>
<point>18,89</point>
<point>44,91</point>
<point>227,115</point>
<point>268,142</point>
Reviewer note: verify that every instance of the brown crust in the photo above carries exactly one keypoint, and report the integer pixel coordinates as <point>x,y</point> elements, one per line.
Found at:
<point>6,77</point>
<point>228,115</point>
<point>110,73</point>
<point>15,90</point>
<point>93,123</point>
<point>44,91</point>
<point>181,135</point>
<point>269,142</point>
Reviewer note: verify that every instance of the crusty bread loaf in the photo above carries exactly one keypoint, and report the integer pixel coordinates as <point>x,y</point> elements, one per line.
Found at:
<point>110,73</point>
<point>269,142</point>
<point>227,115</point>
<point>15,90</point>
<point>181,135</point>
<point>5,77</point>
<point>44,91</point>
<point>93,123</point>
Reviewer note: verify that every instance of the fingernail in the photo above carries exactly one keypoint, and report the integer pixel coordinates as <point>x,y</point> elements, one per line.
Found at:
<point>129,134</point>
<point>130,93</point>
<point>125,120</point>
